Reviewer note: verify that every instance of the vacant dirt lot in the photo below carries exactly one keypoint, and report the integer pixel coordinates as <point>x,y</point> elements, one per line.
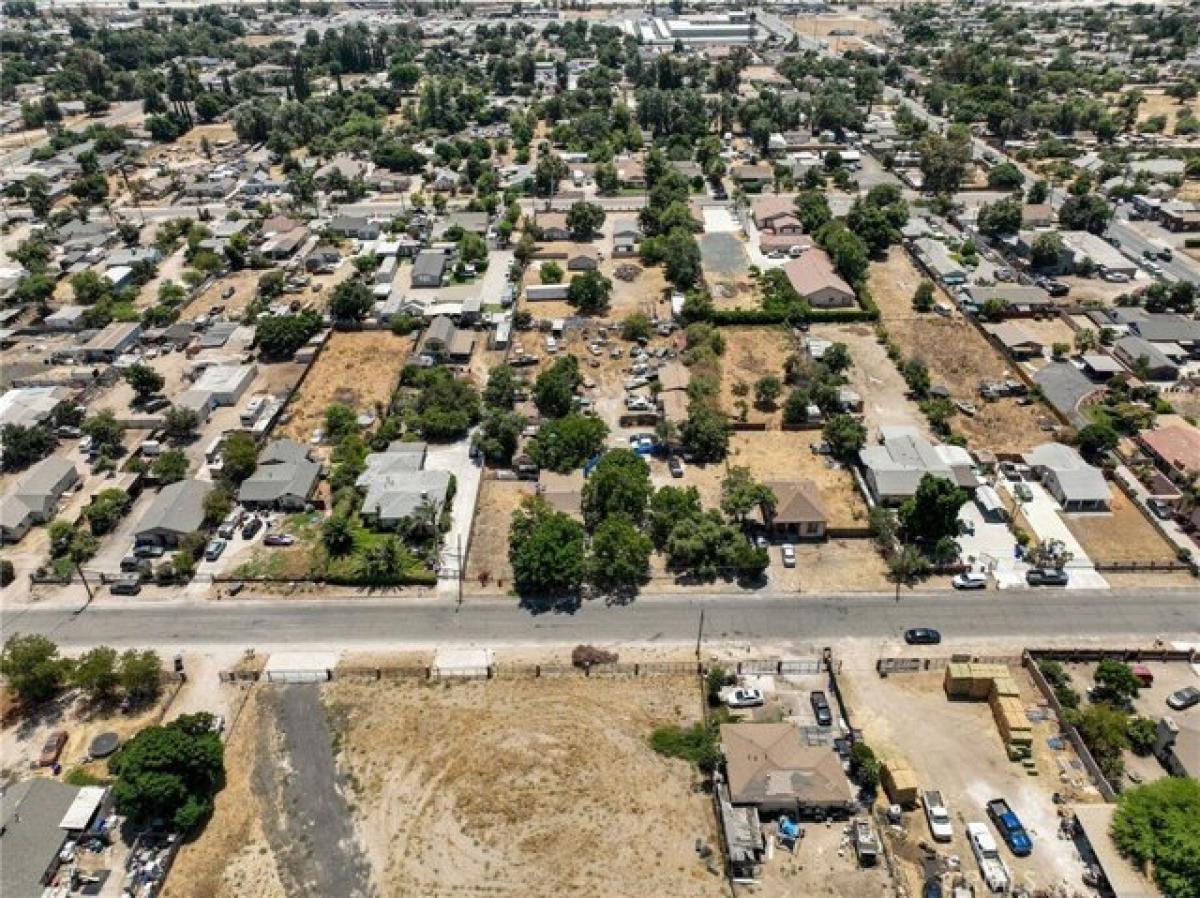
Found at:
<point>356,369</point>
<point>1124,535</point>
<point>750,354</point>
<point>244,284</point>
<point>523,787</point>
<point>232,858</point>
<point>785,455</point>
<point>958,750</point>
<point>1158,103</point>
<point>647,292</point>
<point>958,358</point>
<point>487,560</point>
<point>875,379</point>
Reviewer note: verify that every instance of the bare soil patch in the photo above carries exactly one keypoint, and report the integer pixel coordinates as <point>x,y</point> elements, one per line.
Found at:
<point>1123,536</point>
<point>487,560</point>
<point>773,455</point>
<point>231,857</point>
<point>357,369</point>
<point>959,358</point>
<point>751,354</point>
<point>244,284</point>
<point>524,787</point>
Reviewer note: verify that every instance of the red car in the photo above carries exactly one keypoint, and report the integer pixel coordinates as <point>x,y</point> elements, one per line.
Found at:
<point>53,748</point>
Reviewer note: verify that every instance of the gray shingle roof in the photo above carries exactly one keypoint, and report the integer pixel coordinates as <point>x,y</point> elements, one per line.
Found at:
<point>30,812</point>
<point>178,508</point>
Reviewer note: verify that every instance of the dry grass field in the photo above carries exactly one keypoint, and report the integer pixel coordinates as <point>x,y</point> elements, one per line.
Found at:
<point>487,559</point>
<point>357,369</point>
<point>523,787</point>
<point>958,358</point>
<point>752,353</point>
<point>785,455</point>
<point>1158,103</point>
<point>231,858</point>
<point>1123,536</point>
<point>244,284</point>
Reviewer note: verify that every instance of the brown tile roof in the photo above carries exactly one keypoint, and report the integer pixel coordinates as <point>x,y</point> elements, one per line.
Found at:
<point>769,763</point>
<point>797,502</point>
<point>1176,444</point>
<point>813,272</point>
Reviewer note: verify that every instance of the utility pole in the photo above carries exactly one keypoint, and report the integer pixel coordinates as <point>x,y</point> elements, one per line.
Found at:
<point>461,572</point>
<point>87,587</point>
<point>700,634</point>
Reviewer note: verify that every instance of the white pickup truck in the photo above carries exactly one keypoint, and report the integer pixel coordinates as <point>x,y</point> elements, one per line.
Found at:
<point>940,826</point>
<point>987,855</point>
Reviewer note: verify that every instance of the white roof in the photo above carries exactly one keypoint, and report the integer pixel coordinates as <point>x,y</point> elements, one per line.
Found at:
<point>83,808</point>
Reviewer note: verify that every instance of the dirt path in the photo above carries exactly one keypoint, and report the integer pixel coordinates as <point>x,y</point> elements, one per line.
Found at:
<point>307,818</point>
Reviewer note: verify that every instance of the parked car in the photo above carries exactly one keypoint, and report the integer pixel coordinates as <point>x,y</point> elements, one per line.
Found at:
<point>1115,277</point>
<point>932,888</point>
<point>821,709</point>
<point>969,580</point>
<point>789,554</point>
<point>744,698</point>
<point>922,636</point>
<point>126,585</point>
<point>675,466</point>
<point>149,550</point>
<point>1161,509</point>
<point>251,527</point>
<point>279,539</point>
<point>1047,577</point>
<point>1182,699</point>
<point>53,748</point>
<point>214,549</point>
<point>130,563</point>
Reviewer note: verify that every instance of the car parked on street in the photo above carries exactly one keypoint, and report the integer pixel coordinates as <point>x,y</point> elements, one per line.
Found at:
<point>969,580</point>
<point>1047,577</point>
<point>922,636</point>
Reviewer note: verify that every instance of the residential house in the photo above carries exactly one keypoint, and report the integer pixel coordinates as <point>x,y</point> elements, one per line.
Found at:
<point>35,496</point>
<point>324,257</point>
<point>773,768</point>
<point>894,469</point>
<point>285,478</point>
<point>1158,327</point>
<point>799,513</point>
<point>397,487</point>
<point>38,817</point>
<point>812,276</point>
<point>435,342</point>
<point>1016,340</point>
<point>1149,361</point>
<point>626,237</point>
<point>177,511</point>
<point>429,269</point>
<point>1017,300</point>
<point>1076,485</point>
<point>934,255</point>
<point>753,178</point>
<point>1174,444</point>
<point>583,258</point>
<point>553,226</point>
<point>113,340</point>
<point>356,226</point>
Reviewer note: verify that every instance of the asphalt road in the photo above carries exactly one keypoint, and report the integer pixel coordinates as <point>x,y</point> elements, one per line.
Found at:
<point>1026,614</point>
<point>1134,243</point>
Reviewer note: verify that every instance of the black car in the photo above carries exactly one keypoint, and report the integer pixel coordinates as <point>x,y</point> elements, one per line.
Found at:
<point>932,889</point>
<point>1047,577</point>
<point>251,527</point>
<point>922,636</point>
<point>1054,288</point>
<point>820,706</point>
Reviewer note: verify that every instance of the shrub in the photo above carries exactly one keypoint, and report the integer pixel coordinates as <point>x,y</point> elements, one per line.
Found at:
<point>588,656</point>
<point>697,744</point>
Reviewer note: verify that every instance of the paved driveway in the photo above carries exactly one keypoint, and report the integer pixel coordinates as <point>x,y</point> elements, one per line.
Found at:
<point>1042,513</point>
<point>456,459</point>
<point>990,548</point>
